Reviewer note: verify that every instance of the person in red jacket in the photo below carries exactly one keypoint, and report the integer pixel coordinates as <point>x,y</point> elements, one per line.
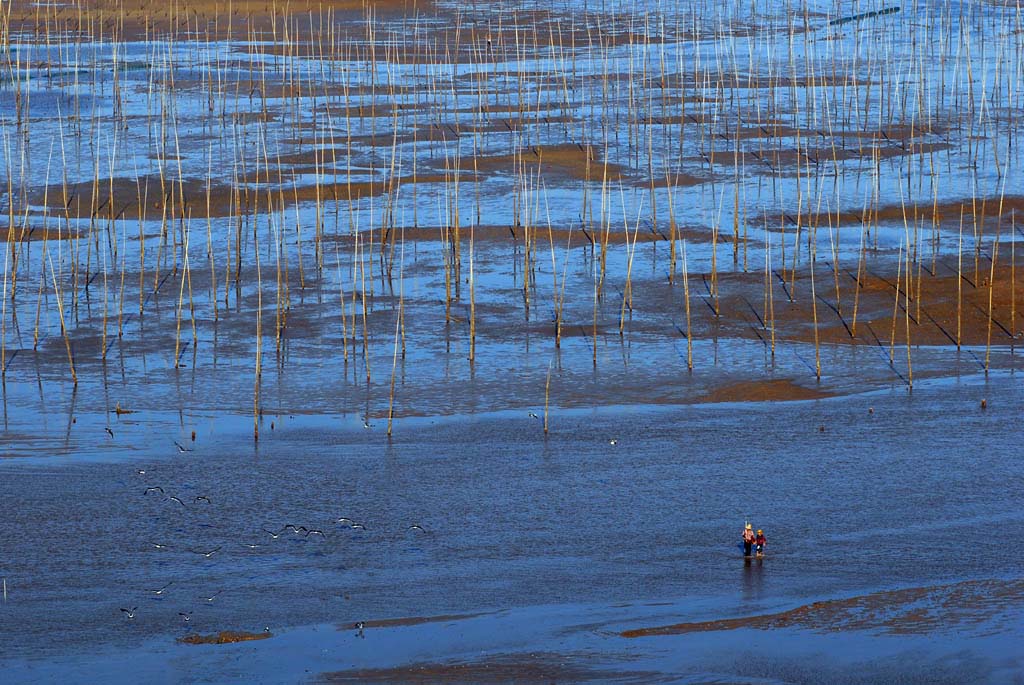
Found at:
<point>759,542</point>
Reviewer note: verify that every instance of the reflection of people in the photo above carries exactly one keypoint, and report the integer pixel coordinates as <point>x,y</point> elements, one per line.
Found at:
<point>759,542</point>
<point>748,539</point>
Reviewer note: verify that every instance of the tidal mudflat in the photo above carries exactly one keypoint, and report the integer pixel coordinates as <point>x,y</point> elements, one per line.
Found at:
<point>485,327</point>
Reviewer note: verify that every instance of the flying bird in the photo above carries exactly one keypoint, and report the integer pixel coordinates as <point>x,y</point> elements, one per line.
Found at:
<point>175,499</point>
<point>533,416</point>
<point>162,590</point>
<point>154,489</point>
<point>201,498</point>
<point>345,520</point>
<point>181,448</point>
<point>272,534</point>
<point>417,527</point>
<point>314,531</point>
<point>130,613</point>
<point>109,432</point>
<point>186,615</point>
<point>158,545</point>
<point>213,596</point>
<point>206,554</point>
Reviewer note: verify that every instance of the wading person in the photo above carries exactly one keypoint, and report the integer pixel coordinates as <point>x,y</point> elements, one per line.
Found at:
<point>748,539</point>
<point>759,542</point>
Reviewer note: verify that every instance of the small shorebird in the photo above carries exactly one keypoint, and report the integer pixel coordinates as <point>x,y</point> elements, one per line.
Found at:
<point>533,416</point>
<point>130,613</point>
<point>613,442</point>
<point>366,424</point>
<point>359,628</point>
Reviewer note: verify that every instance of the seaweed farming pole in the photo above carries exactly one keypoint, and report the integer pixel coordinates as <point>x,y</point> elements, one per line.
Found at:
<point>991,289</point>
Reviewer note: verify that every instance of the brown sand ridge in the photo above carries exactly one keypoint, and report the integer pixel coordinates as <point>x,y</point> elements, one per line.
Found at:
<point>931,310</point>
<point>411,621</point>
<point>907,611</point>
<point>125,198</point>
<point>224,637</point>
<point>571,161</point>
<point>532,667</point>
<point>782,390</point>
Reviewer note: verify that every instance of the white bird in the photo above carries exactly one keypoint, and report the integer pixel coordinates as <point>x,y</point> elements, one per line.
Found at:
<point>129,612</point>
<point>154,489</point>
<point>163,589</point>
<point>201,498</point>
<point>417,527</point>
<point>533,416</point>
<point>175,499</point>
<point>213,596</point>
<point>613,442</point>
<point>187,615</point>
<point>206,554</point>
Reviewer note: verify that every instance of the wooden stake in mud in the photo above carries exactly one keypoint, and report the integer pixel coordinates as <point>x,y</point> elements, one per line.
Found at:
<point>991,288</point>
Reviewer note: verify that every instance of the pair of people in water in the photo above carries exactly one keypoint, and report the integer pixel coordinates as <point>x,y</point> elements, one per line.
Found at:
<point>752,542</point>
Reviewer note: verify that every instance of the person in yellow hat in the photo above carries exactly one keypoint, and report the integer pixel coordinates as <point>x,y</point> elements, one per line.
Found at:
<point>748,539</point>
<point>759,542</point>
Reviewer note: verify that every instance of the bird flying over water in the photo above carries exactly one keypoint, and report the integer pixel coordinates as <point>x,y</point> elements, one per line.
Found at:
<point>130,613</point>
<point>181,448</point>
<point>109,432</point>
<point>163,589</point>
<point>154,489</point>
<point>175,499</point>
<point>206,554</point>
<point>201,498</point>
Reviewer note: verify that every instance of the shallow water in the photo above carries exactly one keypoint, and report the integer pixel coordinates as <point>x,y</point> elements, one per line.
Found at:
<point>899,497</point>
